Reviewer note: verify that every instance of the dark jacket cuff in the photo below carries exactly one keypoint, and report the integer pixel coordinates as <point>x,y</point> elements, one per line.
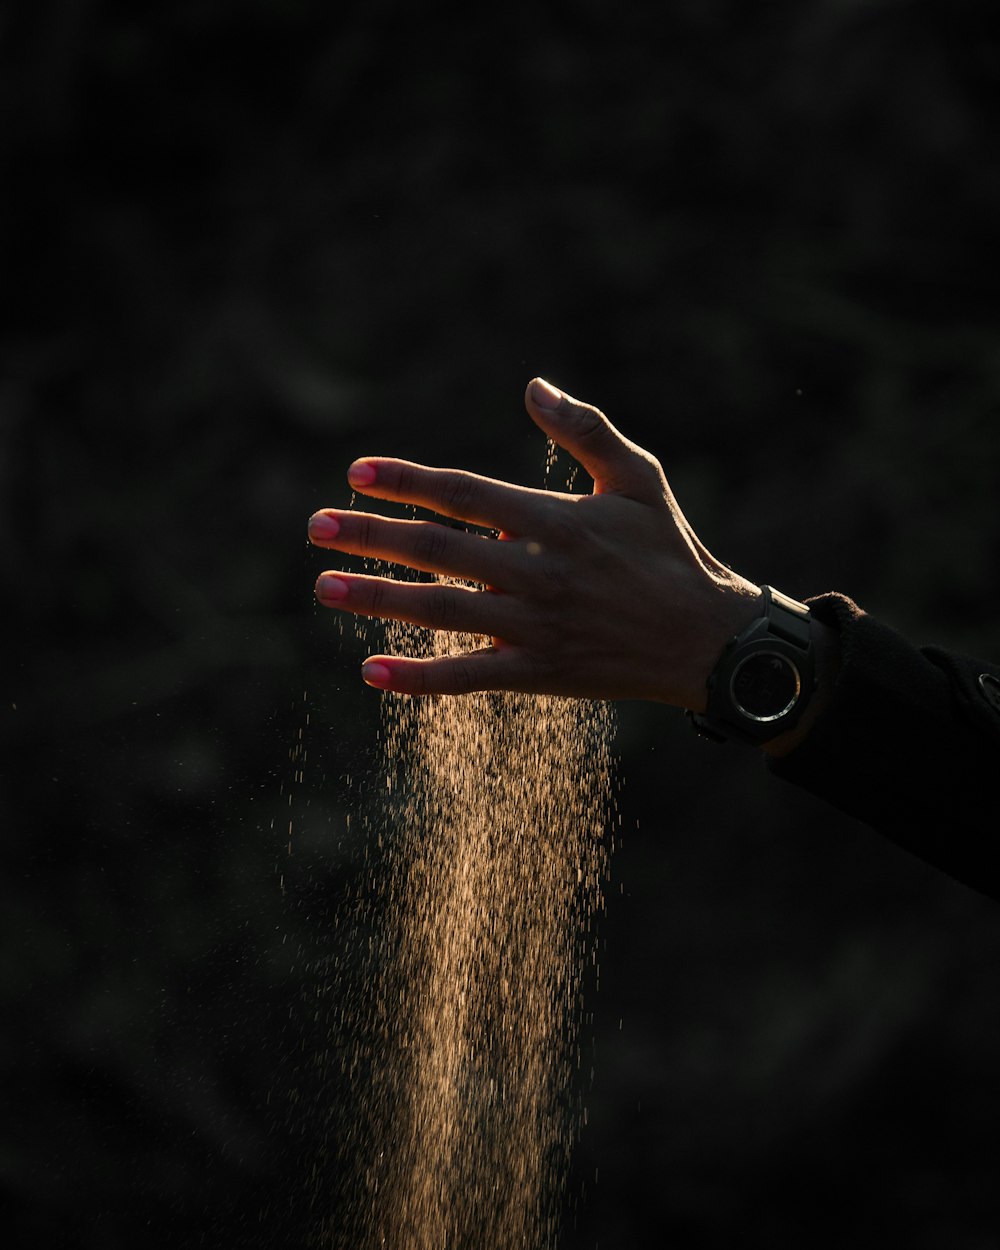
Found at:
<point>909,744</point>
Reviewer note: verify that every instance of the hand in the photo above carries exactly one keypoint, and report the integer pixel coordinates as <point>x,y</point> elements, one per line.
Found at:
<point>609,595</point>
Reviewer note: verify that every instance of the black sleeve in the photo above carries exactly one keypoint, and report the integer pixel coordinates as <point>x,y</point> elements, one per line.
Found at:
<point>909,744</point>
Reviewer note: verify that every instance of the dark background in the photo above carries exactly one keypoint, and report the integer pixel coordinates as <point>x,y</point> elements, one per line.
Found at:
<point>244,243</point>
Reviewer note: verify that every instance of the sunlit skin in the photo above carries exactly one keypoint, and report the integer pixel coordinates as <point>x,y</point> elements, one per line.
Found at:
<point>605,596</point>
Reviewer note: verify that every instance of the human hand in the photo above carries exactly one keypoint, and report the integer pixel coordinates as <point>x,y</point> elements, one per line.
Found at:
<point>608,596</point>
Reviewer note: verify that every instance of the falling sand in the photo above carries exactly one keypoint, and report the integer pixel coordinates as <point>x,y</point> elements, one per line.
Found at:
<point>489,880</point>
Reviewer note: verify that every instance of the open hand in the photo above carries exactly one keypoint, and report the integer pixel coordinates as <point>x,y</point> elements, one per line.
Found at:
<point>609,595</point>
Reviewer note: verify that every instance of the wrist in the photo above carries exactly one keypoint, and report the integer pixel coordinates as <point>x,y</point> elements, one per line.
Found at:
<point>763,685</point>
<point>729,610</point>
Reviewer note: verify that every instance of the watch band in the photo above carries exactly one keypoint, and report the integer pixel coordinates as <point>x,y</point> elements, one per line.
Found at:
<point>772,661</point>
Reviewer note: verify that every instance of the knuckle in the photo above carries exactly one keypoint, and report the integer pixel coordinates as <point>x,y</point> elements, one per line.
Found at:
<point>647,462</point>
<point>431,544</point>
<point>442,608</point>
<point>461,677</point>
<point>549,632</point>
<point>540,670</point>
<point>553,590</point>
<point>562,530</point>
<point>455,491</point>
<point>418,679</point>
<point>455,676</point>
<point>591,421</point>
<point>376,594</point>
<point>365,533</point>
<point>407,480</point>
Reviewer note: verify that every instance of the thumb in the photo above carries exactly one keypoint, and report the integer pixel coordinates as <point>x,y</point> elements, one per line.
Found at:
<point>617,465</point>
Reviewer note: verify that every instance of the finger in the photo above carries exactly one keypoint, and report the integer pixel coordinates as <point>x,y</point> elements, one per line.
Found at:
<point>422,545</point>
<point>617,465</point>
<point>488,669</point>
<point>451,492</point>
<point>455,608</point>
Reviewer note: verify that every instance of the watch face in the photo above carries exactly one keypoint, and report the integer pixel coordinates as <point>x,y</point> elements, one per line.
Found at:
<point>765,686</point>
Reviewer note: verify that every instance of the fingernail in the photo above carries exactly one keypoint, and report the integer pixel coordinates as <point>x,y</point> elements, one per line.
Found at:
<point>375,674</point>
<point>545,395</point>
<point>323,526</point>
<point>361,473</point>
<point>331,588</point>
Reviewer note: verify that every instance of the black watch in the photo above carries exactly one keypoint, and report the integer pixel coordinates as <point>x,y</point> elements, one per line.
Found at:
<point>765,676</point>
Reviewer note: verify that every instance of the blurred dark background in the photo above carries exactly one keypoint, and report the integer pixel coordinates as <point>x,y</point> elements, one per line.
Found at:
<point>244,243</point>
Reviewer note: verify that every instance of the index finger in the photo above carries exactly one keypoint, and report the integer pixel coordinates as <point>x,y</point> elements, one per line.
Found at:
<point>452,492</point>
